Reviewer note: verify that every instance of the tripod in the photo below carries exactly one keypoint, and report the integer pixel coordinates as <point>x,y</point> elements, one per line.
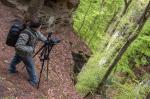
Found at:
<point>44,55</point>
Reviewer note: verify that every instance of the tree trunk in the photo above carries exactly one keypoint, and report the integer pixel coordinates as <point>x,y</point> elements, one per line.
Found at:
<point>113,25</point>
<point>34,9</point>
<point>113,19</point>
<point>140,23</point>
<point>111,54</point>
<point>148,96</point>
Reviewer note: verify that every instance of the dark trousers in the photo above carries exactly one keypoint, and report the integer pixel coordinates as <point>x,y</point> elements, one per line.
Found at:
<point>30,66</point>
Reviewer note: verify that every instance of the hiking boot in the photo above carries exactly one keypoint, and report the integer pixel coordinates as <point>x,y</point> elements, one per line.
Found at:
<point>34,84</point>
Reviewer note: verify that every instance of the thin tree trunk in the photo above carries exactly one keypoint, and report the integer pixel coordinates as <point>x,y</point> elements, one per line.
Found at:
<point>112,20</point>
<point>126,6</point>
<point>127,3</point>
<point>148,96</point>
<point>112,49</point>
<point>140,25</point>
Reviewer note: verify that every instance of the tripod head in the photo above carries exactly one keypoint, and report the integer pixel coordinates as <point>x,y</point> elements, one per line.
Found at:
<point>51,41</point>
<point>47,47</point>
<point>49,34</point>
<point>54,41</point>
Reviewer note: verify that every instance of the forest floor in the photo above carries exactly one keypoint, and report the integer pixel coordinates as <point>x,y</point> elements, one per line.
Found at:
<point>60,84</point>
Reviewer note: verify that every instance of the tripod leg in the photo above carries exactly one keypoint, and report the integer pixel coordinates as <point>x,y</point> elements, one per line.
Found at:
<point>36,54</point>
<point>38,50</point>
<point>49,50</point>
<point>40,74</point>
<point>47,68</point>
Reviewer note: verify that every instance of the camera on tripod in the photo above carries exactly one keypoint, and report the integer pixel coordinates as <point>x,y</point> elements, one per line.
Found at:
<point>52,41</point>
<point>45,52</point>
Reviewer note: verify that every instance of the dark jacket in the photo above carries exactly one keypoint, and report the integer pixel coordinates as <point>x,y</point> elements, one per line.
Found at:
<point>26,43</point>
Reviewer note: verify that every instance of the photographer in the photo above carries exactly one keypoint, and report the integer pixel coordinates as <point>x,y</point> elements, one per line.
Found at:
<point>25,47</point>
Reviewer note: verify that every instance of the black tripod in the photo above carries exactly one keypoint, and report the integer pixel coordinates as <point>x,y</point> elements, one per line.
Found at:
<point>44,55</point>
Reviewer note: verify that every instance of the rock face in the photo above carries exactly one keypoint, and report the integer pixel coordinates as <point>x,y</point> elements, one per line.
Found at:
<point>8,3</point>
<point>61,10</point>
<point>60,84</point>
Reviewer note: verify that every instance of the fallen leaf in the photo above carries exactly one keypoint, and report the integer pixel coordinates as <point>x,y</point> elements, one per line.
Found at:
<point>6,61</point>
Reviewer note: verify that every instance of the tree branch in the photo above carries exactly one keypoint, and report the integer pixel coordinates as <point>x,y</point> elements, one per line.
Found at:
<point>138,27</point>
<point>133,36</point>
<point>127,3</point>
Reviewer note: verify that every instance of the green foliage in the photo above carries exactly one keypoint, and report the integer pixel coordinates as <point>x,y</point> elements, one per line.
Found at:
<point>138,53</point>
<point>128,90</point>
<point>96,20</point>
<point>92,31</point>
<point>90,76</point>
<point>131,90</point>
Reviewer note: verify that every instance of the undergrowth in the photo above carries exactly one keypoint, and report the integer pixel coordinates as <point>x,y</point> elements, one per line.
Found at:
<point>137,55</point>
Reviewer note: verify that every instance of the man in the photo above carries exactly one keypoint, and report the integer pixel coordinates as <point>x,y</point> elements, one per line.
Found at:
<point>25,47</point>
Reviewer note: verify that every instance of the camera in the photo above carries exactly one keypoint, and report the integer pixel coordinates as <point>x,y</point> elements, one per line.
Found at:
<point>54,41</point>
<point>51,41</point>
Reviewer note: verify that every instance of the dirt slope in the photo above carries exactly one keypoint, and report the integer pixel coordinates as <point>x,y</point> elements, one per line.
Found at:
<point>60,84</point>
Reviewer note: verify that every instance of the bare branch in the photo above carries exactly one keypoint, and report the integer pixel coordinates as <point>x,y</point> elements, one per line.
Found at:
<point>103,1</point>
<point>127,3</point>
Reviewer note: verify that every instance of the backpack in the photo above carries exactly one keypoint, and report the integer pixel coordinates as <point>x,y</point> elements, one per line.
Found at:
<point>14,32</point>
